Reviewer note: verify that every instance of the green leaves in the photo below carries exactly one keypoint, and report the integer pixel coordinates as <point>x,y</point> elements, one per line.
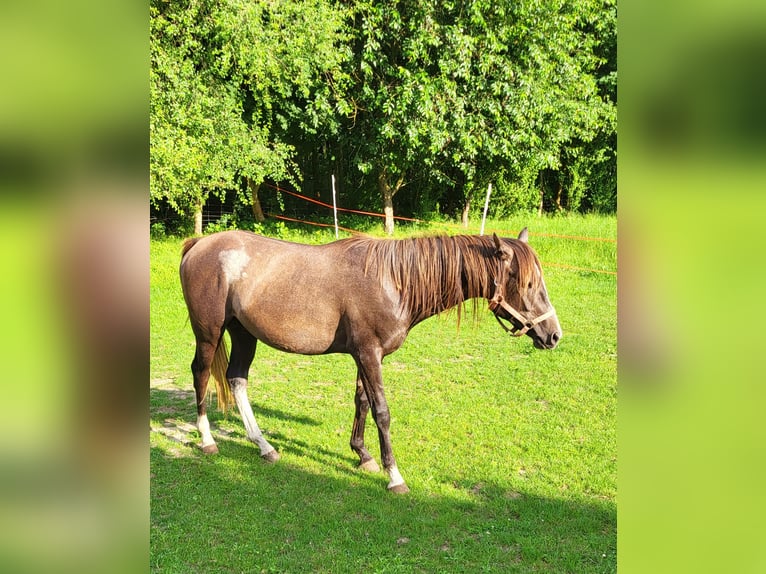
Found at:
<point>466,89</point>
<point>451,95</point>
<point>230,81</point>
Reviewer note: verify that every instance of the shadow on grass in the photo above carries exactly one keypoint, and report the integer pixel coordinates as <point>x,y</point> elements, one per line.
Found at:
<point>315,512</point>
<point>177,415</point>
<point>260,411</point>
<point>182,402</point>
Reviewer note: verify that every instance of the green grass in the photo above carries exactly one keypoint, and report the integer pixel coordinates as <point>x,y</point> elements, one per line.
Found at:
<point>510,452</point>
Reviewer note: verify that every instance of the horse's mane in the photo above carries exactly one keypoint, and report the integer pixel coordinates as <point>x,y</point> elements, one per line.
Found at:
<point>440,272</point>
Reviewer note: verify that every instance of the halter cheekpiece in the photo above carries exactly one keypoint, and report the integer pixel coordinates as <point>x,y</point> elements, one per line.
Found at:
<point>498,300</point>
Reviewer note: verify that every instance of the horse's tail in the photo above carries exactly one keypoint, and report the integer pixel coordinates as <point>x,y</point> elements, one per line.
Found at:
<point>188,244</point>
<point>218,370</point>
<point>221,358</point>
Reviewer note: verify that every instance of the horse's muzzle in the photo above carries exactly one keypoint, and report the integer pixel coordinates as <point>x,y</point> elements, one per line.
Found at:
<point>548,342</point>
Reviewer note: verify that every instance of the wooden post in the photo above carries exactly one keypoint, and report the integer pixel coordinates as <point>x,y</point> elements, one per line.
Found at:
<point>486,206</point>
<point>199,206</point>
<point>334,207</point>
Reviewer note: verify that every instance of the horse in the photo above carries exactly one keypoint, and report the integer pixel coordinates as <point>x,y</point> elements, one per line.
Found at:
<point>359,296</point>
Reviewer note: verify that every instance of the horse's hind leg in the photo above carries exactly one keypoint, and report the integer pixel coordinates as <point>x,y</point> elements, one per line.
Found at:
<point>203,358</point>
<point>362,406</point>
<point>242,353</point>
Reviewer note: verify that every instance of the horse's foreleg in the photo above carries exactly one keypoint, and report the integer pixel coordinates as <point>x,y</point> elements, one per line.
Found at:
<point>372,380</point>
<point>362,406</point>
<point>242,353</point>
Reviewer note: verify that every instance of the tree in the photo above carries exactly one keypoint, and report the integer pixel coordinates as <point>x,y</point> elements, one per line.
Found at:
<point>227,79</point>
<point>455,94</point>
<point>585,173</point>
<point>187,160</point>
<point>383,96</point>
<point>537,97</point>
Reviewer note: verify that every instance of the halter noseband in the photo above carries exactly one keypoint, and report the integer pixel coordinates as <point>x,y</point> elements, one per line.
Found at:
<point>499,301</point>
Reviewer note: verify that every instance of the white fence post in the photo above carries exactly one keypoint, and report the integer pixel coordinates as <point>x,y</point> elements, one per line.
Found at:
<point>334,207</point>
<point>486,206</point>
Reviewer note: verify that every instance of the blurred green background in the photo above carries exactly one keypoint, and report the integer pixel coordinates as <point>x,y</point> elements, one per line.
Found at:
<point>74,477</point>
<point>691,179</point>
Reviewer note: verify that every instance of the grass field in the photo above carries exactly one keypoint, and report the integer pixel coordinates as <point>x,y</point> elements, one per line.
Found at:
<point>510,452</point>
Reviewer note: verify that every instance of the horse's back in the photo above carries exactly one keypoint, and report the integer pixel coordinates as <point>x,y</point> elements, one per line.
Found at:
<point>222,253</point>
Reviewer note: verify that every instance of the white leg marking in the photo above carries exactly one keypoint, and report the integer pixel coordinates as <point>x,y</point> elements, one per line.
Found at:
<point>396,478</point>
<point>253,430</point>
<point>203,425</point>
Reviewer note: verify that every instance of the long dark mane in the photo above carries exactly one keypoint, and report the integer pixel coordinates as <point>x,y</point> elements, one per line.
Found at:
<point>441,272</point>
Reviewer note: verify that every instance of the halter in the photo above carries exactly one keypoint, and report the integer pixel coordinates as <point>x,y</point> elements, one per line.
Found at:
<point>499,301</point>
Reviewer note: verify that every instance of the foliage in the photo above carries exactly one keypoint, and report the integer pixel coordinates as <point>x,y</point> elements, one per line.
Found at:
<point>588,172</point>
<point>158,231</point>
<point>465,95</point>
<point>422,104</point>
<point>228,80</point>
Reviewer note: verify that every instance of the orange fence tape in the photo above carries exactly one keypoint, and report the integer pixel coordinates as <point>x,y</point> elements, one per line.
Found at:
<point>563,265</point>
<point>284,218</point>
<point>446,224</point>
<point>323,204</point>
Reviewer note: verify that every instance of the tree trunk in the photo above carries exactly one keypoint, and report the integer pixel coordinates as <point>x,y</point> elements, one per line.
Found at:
<point>388,193</point>
<point>257,210</point>
<point>466,211</point>
<point>542,195</point>
<point>388,208</point>
<point>198,218</point>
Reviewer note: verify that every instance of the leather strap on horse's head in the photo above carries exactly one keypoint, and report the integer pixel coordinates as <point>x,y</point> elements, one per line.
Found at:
<point>498,301</point>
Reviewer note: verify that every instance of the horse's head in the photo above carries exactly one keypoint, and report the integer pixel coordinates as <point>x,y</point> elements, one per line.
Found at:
<point>520,295</point>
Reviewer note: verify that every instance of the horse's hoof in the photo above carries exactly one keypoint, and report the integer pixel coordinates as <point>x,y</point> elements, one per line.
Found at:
<point>271,456</point>
<point>210,448</point>
<point>369,465</point>
<point>399,489</point>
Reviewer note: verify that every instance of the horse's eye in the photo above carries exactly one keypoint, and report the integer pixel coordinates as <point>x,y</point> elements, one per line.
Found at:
<point>530,285</point>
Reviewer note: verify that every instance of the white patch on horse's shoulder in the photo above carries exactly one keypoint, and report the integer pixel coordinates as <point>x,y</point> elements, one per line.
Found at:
<point>233,262</point>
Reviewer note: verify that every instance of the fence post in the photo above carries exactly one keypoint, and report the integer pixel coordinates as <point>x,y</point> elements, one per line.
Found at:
<point>334,207</point>
<point>486,205</point>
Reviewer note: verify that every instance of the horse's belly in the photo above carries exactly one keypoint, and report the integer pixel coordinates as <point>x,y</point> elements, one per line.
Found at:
<point>294,333</point>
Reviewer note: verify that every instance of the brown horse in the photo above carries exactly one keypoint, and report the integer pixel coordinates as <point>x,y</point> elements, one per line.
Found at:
<point>358,296</point>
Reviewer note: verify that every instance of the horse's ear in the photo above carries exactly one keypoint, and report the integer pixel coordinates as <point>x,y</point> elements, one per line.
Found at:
<point>524,235</point>
<point>502,251</point>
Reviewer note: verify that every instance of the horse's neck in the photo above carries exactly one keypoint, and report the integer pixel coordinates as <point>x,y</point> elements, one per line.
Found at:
<point>446,304</point>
